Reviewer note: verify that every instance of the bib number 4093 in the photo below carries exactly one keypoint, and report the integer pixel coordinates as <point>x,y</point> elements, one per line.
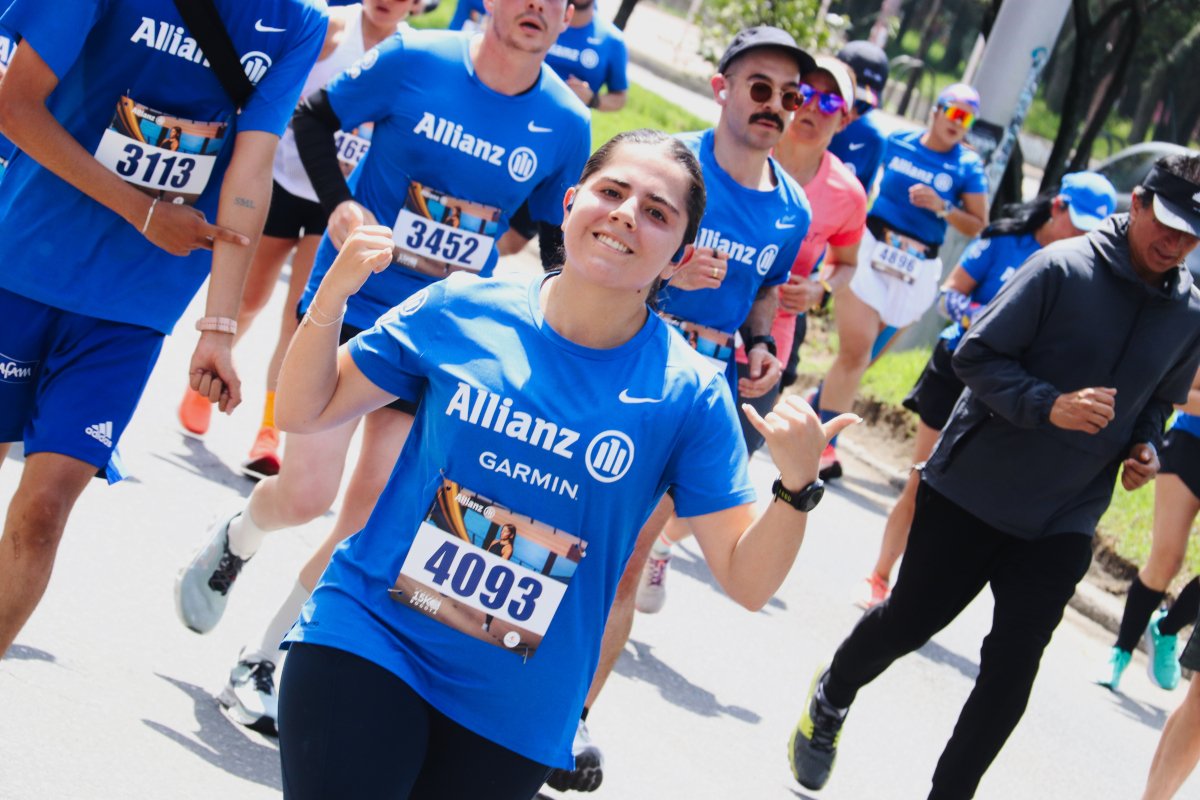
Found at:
<point>466,571</point>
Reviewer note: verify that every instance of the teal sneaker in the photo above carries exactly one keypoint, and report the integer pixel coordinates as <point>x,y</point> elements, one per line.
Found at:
<point>202,587</point>
<point>1163,668</point>
<point>1118,661</point>
<point>813,746</point>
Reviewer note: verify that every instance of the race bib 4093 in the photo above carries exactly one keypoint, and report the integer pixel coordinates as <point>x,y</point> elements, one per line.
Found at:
<point>166,157</point>
<point>486,571</point>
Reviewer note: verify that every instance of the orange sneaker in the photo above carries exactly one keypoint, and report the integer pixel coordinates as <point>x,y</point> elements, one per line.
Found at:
<point>871,591</point>
<point>195,412</point>
<point>829,467</point>
<point>264,456</point>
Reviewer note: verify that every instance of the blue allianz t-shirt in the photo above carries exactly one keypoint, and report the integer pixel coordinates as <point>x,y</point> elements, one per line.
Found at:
<point>991,262</point>
<point>761,231</point>
<point>594,53</point>
<point>485,574</point>
<point>1187,422</point>
<point>135,89</point>
<point>860,147</point>
<point>471,11</point>
<point>907,162</point>
<point>450,160</point>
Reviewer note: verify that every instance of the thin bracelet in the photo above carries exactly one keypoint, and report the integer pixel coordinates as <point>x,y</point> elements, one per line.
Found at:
<point>308,315</point>
<point>149,214</point>
<point>313,305</point>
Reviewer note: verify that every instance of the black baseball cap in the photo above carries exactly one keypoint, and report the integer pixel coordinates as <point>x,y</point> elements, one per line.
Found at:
<point>1176,200</point>
<point>765,36</point>
<point>869,62</point>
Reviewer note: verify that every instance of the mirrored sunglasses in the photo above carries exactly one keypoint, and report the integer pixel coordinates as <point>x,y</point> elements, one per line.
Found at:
<point>827,102</point>
<point>956,114</point>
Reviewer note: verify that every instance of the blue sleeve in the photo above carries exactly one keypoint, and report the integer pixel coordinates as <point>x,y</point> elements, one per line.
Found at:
<point>391,354</point>
<point>978,259</point>
<point>709,465</point>
<point>975,180</point>
<point>56,36</point>
<point>366,91</point>
<point>615,78</point>
<point>274,99</point>
<point>462,13</point>
<point>545,201</point>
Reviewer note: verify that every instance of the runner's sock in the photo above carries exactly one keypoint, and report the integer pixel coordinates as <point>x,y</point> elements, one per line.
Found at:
<point>1183,612</point>
<point>661,547</point>
<point>244,536</point>
<point>825,417</point>
<point>1139,607</point>
<point>841,712</point>
<point>282,622</point>
<point>583,716</point>
<point>269,411</point>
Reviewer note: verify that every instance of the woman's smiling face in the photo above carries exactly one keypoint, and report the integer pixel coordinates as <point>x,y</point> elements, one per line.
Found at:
<point>628,219</point>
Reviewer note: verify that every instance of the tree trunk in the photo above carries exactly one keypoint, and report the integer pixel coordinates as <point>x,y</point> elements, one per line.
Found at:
<point>1072,100</point>
<point>1155,87</point>
<point>622,17</point>
<point>1131,31</point>
<point>962,32</point>
<point>926,41</point>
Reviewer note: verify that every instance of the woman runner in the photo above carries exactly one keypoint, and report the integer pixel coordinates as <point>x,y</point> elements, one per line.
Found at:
<point>561,396</point>
<point>929,180</point>
<point>1082,203</point>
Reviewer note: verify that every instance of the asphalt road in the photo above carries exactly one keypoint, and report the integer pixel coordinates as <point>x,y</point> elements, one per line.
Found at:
<point>107,695</point>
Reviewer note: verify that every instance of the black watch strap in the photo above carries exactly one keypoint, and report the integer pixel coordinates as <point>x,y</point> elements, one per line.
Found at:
<point>804,500</point>
<point>768,340</point>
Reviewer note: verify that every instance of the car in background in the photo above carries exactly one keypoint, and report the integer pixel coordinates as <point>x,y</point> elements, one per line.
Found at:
<point>1129,167</point>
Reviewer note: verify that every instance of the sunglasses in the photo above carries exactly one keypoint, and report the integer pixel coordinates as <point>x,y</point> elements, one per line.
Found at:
<point>763,92</point>
<point>828,103</point>
<point>955,114</point>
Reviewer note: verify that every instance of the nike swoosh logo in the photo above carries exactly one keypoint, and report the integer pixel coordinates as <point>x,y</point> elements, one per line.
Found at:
<point>535,129</point>
<point>625,398</point>
<point>779,224</point>
<point>594,41</point>
<point>258,26</point>
<point>858,146</point>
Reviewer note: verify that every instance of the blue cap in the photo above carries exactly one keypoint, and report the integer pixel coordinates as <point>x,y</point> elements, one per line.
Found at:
<point>1090,198</point>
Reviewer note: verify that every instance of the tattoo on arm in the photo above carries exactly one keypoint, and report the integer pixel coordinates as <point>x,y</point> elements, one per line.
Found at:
<point>244,202</point>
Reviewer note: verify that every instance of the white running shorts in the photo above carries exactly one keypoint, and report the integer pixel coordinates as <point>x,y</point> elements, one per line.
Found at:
<point>899,304</point>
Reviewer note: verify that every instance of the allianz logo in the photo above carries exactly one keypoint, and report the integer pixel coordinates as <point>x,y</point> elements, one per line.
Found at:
<point>489,410</point>
<point>173,39</point>
<point>14,371</point>
<point>737,251</point>
<point>906,167</point>
<point>7,49</point>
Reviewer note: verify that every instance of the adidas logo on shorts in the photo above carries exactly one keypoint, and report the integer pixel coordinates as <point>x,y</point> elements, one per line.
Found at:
<point>101,432</point>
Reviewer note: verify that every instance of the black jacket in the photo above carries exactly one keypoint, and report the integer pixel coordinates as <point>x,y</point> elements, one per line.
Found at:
<point>1074,316</point>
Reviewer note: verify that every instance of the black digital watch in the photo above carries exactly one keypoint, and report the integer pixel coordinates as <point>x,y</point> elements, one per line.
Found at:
<point>768,340</point>
<point>804,500</point>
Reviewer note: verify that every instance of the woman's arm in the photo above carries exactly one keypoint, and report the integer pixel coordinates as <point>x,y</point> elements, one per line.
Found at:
<point>320,387</point>
<point>971,219</point>
<point>750,554</point>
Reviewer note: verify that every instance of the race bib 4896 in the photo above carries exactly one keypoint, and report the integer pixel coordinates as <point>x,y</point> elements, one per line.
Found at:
<point>486,571</point>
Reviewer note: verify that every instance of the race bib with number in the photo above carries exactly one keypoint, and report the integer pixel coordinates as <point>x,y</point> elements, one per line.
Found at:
<point>166,157</point>
<point>352,146</point>
<point>486,571</point>
<point>436,234</point>
<point>899,255</point>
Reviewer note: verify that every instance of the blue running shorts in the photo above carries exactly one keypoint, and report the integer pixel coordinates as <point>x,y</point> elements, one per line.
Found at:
<point>69,383</point>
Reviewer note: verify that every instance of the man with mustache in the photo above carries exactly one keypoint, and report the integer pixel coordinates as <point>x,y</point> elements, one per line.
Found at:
<point>756,219</point>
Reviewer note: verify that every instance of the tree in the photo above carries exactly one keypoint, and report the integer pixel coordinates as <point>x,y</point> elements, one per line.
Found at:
<point>722,19</point>
<point>1155,86</point>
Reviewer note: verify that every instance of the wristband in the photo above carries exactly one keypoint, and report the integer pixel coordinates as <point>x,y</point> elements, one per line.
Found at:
<point>768,340</point>
<point>947,207</point>
<point>595,101</point>
<point>804,500</point>
<point>222,324</point>
<point>149,214</point>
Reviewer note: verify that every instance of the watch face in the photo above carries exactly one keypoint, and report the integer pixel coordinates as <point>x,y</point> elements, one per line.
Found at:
<point>811,501</point>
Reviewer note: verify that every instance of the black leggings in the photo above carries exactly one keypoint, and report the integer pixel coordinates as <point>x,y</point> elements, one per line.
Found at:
<point>951,556</point>
<point>348,728</point>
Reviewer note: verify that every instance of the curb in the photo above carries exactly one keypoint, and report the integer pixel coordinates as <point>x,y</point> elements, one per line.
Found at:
<point>684,80</point>
<point>1089,600</point>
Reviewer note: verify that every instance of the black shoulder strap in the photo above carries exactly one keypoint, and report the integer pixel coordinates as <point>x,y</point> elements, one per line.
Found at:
<point>205,25</point>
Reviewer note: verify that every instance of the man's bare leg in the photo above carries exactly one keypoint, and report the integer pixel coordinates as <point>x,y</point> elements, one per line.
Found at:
<point>1178,749</point>
<point>37,515</point>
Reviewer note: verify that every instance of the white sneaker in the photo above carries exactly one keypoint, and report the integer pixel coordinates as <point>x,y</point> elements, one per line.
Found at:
<point>250,693</point>
<point>652,587</point>
<point>589,765</point>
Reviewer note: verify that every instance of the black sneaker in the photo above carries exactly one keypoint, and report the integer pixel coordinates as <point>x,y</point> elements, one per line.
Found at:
<point>589,766</point>
<point>813,748</point>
